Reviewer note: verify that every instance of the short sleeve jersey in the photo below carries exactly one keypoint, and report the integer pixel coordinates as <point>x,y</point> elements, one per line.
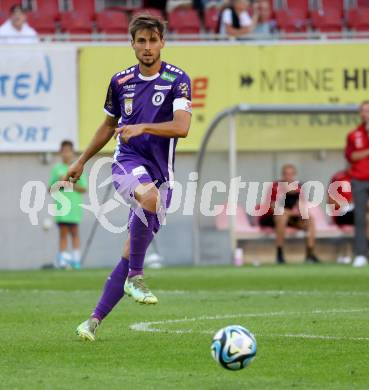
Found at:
<point>135,99</point>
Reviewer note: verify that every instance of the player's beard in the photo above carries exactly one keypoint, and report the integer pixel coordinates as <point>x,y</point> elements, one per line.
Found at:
<point>150,62</point>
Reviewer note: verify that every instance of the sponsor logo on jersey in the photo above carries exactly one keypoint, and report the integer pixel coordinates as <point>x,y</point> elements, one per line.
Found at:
<point>162,87</point>
<point>139,171</point>
<point>129,95</point>
<point>183,88</point>
<point>125,79</point>
<point>168,76</point>
<point>128,106</point>
<point>129,87</point>
<point>158,98</point>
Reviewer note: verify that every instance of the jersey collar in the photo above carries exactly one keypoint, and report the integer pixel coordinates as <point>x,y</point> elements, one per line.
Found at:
<point>153,77</point>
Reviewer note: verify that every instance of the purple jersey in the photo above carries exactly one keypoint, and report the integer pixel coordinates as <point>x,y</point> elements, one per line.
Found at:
<point>136,99</point>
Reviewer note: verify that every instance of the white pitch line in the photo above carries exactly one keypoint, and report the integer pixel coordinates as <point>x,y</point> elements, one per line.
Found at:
<point>206,292</point>
<point>321,337</point>
<point>148,326</point>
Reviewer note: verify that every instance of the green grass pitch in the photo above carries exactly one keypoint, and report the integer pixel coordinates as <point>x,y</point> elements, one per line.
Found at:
<point>311,324</point>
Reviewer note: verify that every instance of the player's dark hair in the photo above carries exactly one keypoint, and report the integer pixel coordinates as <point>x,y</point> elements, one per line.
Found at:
<point>16,7</point>
<point>66,143</point>
<point>146,22</point>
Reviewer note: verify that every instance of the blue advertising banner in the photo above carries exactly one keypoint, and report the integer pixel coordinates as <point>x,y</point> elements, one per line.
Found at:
<point>38,97</point>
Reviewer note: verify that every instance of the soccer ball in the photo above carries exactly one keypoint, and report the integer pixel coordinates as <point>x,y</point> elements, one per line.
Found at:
<point>233,347</point>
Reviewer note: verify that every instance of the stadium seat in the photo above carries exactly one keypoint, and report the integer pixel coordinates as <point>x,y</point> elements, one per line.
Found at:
<point>331,6</point>
<point>149,11</point>
<point>184,21</point>
<point>299,8</point>
<point>211,19</point>
<point>112,22</point>
<point>5,5</point>
<point>43,24</point>
<point>358,19</point>
<point>75,23</point>
<point>85,7</point>
<point>243,224</point>
<point>327,21</point>
<point>3,17</point>
<point>291,20</point>
<point>49,9</point>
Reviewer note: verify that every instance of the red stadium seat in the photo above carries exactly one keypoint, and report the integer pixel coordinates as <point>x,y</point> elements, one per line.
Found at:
<point>47,8</point>
<point>184,21</point>
<point>291,21</point>
<point>112,22</point>
<point>148,11</point>
<point>362,3</point>
<point>299,8</point>
<point>43,24</point>
<point>331,6</point>
<point>5,5</point>
<point>212,19</point>
<point>328,21</point>
<point>358,19</point>
<point>86,7</point>
<point>3,17</point>
<point>76,23</point>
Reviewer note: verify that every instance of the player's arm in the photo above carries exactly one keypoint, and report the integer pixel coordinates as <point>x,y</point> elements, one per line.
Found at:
<point>102,136</point>
<point>177,128</point>
<point>353,155</point>
<point>359,155</point>
<point>238,32</point>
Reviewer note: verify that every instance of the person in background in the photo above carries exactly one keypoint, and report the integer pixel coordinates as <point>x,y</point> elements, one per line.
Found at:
<point>235,21</point>
<point>264,24</point>
<point>68,224</point>
<point>291,215</point>
<point>357,154</point>
<point>346,215</point>
<point>16,29</point>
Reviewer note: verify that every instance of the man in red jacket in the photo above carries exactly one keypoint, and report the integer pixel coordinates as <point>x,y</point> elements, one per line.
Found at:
<point>357,154</point>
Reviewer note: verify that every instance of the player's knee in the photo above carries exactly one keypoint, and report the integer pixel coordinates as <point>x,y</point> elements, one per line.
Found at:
<point>149,199</point>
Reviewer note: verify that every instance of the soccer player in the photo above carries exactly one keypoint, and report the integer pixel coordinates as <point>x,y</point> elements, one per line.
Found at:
<point>153,101</point>
<point>68,223</point>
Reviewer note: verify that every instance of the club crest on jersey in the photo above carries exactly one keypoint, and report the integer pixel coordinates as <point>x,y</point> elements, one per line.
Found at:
<point>168,77</point>
<point>128,106</point>
<point>158,98</point>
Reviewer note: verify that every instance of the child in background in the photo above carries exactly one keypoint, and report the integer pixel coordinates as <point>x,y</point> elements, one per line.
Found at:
<point>68,224</point>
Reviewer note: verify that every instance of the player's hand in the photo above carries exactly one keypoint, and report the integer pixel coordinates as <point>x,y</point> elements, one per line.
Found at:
<point>129,131</point>
<point>74,172</point>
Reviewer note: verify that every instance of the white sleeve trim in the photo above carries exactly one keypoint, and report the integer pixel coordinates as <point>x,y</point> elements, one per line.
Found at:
<point>182,104</point>
<point>109,113</point>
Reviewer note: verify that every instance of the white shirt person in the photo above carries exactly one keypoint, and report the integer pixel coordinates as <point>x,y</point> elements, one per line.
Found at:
<point>16,29</point>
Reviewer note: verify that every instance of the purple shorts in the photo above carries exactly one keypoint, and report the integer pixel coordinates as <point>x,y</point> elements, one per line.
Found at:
<point>128,174</point>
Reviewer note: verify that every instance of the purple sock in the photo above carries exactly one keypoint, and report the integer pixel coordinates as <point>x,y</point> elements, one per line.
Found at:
<point>113,290</point>
<point>141,234</point>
